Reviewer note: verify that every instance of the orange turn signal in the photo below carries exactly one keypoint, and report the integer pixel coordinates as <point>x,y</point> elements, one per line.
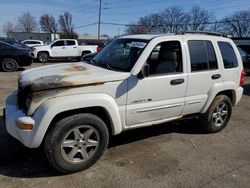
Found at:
<point>24,126</point>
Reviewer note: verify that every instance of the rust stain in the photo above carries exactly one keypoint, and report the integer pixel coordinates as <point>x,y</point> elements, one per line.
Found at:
<point>75,68</point>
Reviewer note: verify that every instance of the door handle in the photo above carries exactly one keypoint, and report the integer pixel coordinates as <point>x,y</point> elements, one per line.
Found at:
<point>74,47</point>
<point>216,76</point>
<point>63,47</point>
<point>177,81</point>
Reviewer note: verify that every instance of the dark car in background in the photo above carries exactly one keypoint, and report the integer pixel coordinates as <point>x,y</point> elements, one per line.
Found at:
<point>12,57</point>
<point>245,55</point>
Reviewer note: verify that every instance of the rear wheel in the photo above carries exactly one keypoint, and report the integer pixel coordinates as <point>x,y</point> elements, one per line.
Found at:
<point>43,57</point>
<point>76,142</point>
<point>9,65</point>
<point>218,114</point>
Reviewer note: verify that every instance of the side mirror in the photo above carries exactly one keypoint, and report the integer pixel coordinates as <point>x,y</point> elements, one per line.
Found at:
<point>144,72</point>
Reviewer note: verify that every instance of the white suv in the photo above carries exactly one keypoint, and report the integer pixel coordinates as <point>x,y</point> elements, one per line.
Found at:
<point>135,81</point>
<point>33,43</point>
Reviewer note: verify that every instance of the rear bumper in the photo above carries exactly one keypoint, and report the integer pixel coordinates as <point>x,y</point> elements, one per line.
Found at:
<point>239,93</point>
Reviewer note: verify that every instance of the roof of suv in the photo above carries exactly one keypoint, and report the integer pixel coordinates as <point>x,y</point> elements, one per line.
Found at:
<point>193,33</point>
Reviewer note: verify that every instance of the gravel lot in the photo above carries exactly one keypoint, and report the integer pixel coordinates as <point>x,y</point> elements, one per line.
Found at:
<point>175,154</point>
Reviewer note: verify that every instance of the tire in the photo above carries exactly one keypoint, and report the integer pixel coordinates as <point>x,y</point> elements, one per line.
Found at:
<point>9,65</point>
<point>218,114</point>
<point>85,53</point>
<point>65,148</point>
<point>43,57</point>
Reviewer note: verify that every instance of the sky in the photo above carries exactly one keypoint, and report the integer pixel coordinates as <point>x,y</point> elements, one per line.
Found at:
<point>85,12</point>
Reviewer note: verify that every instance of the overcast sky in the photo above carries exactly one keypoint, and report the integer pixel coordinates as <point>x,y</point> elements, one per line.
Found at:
<point>115,11</point>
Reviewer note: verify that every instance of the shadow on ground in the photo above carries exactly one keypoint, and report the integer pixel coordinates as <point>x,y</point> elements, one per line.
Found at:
<point>19,161</point>
<point>246,89</point>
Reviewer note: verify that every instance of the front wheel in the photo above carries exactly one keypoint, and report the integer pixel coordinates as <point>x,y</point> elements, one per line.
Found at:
<point>218,114</point>
<point>43,57</point>
<point>76,142</point>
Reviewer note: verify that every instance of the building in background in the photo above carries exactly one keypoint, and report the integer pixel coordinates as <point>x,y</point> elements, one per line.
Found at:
<point>91,38</point>
<point>45,37</point>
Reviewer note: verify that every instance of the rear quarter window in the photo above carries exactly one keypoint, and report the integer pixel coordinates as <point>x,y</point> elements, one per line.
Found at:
<point>228,55</point>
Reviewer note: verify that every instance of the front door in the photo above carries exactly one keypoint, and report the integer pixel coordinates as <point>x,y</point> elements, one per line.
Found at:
<point>58,49</point>
<point>161,95</point>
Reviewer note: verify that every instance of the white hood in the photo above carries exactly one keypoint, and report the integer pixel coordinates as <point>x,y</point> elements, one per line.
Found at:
<point>67,75</point>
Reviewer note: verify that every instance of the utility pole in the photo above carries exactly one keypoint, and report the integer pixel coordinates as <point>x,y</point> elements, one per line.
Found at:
<point>99,20</point>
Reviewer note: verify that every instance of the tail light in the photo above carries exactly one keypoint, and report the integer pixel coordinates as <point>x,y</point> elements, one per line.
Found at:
<point>242,77</point>
<point>98,49</point>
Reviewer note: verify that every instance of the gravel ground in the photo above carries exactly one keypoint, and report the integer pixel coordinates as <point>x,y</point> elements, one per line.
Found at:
<point>177,154</point>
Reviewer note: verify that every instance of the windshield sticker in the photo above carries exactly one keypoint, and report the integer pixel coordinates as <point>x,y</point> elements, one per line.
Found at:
<point>138,44</point>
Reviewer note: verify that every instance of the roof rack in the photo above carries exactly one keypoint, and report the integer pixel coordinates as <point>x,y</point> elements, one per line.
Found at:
<point>204,33</point>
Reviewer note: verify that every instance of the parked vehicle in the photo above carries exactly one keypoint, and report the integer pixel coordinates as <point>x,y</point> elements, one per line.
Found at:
<point>246,59</point>
<point>12,57</point>
<point>89,57</point>
<point>99,44</point>
<point>17,44</point>
<point>134,81</point>
<point>63,48</point>
<point>33,43</point>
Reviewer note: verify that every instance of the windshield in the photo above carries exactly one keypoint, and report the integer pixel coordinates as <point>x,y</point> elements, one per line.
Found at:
<point>120,54</point>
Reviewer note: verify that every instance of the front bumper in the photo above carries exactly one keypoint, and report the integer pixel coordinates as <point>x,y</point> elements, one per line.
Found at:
<point>12,115</point>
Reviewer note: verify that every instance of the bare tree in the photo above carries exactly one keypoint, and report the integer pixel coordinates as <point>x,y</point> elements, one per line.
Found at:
<point>237,25</point>
<point>27,22</point>
<point>199,19</point>
<point>66,25</point>
<point>175,19</point>
<point>170,20</point>
<point>8,27</point>
<point>147,24</point>
<point>48,23</point>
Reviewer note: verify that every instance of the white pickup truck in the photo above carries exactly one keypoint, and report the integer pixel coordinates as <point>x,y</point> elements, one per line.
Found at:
<point>63,48</point>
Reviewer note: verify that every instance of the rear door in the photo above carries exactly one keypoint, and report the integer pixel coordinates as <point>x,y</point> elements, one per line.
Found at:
<point>204,72</point>
<point>71,48</point>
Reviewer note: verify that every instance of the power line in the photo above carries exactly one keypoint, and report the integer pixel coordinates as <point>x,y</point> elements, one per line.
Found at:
<point>207,23</point>
<point>86,25</point>
<point>138,4</point>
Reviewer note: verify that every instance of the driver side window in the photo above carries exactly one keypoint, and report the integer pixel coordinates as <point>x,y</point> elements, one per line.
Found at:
<point>58,43</point>
<point>165,58</point>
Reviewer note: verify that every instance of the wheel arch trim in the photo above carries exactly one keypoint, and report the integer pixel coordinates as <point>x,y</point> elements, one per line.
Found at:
<point>48,110</point>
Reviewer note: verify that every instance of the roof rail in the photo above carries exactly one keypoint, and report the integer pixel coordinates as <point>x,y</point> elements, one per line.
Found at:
<point>204,33</point>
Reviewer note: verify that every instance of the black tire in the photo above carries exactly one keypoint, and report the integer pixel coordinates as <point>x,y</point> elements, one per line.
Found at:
<point>209,119</point>
<point>43,57</point>
<point>9,65</point>
<point>55,138</point>
<point>85,53</point>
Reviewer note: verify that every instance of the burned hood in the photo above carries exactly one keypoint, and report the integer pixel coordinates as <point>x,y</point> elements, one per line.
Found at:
<point>67,75</point>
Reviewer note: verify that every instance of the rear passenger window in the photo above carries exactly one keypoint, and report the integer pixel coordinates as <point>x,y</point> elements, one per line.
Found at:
<point>71,43</point>
<point>202,55</point>
<point>228,55</point>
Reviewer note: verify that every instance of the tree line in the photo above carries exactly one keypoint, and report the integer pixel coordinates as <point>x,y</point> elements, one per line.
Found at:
<point>48,23</point>
<point>175,19</point>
